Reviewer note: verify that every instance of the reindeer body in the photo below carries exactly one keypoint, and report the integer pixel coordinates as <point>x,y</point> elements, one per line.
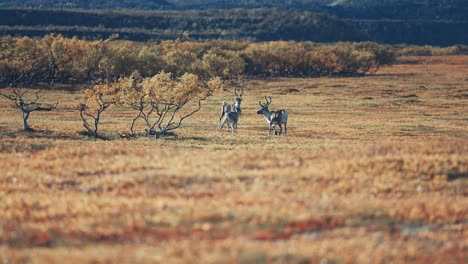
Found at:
<point>232,107</point>
<point>231,118</point>
<point>274,118</point>
<point>227,107</point>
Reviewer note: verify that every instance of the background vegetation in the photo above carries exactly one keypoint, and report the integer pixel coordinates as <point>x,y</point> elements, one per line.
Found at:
<point>367,9</point>
<point>392,22</point>
<point>55,59</point>
<point>239,24</point>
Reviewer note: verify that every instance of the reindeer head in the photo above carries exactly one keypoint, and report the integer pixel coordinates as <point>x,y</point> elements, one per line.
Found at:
<point>238,97</point>
<point>264,107</point>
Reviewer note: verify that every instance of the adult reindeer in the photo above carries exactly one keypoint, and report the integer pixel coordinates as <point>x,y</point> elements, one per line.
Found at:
<point>233,107</point>
<point>274,118</point>
<point>231,119</point>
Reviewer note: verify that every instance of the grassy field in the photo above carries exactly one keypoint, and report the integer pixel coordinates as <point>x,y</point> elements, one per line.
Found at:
<point>373,170</point>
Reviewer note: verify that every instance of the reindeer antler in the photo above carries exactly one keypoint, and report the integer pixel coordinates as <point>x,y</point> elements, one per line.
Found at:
<point>267,102</point>
<point>241,91</point>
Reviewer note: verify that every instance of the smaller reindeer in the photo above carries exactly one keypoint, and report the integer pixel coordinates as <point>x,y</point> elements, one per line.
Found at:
<point>274,118</point>
<point>231,118</point>
<point>234,107</point>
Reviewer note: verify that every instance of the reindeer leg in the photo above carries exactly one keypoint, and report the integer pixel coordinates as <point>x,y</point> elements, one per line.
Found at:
<point>228,124</point>
<point>274,129</point>
<point>222,124</point>
<point>222,112</point>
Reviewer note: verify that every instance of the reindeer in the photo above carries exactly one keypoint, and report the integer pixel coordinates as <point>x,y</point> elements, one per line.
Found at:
<point>234,107</point>
<point>274,118</point>
<point>231,118</point>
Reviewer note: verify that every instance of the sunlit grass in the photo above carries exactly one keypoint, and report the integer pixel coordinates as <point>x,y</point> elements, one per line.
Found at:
<point>364,175</point>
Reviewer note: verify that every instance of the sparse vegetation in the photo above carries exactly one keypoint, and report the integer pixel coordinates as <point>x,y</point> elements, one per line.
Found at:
<point>20,99</point>
<point>167,98</point>
<point>411,50</point>
<point>102,96</point>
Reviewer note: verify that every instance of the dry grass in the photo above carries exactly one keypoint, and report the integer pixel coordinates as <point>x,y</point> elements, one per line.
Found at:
<point>374,170</point>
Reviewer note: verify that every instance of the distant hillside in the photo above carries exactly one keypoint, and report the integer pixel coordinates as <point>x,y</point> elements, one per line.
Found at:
<point>448,10</point>
<point>255,24</point>
<point>90,4</point>
<point>369,9</point>
<point>375,9</point>
<point>439,23</point>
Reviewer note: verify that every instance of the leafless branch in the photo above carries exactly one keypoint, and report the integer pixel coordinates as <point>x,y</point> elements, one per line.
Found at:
<point>18,97</point>
<point>188,115</point>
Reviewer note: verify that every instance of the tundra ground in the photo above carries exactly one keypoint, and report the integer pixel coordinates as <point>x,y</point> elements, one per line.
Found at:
<point>373,170</point>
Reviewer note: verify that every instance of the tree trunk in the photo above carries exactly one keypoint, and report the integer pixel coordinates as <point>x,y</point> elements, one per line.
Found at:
<point>26,126</point>
<point>96,126</point>
<point>157,134</point>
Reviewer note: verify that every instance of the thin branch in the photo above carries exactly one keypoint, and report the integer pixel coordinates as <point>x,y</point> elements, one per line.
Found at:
<point>23,73</point>
<point>174,109</point>
<point>10,97</point>
<point>40,108</point>
<point>172,118</point>
<point>161,118</point>
<point>38,95</point>
<point>188,115</point>
<point>140,107</point>
<point>88,115</point>
<point>85,122</point>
